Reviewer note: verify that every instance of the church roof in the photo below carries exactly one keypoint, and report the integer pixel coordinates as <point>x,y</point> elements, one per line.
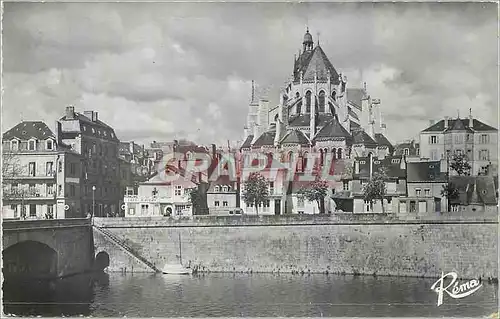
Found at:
<point>304,119</point>
<point>361,137</point>
<point>477,126</point>
<point>383,141</point>
<point>295,137</point>
<point>332,130</point>
<point>248,142</point>
<point>355,96</point>
<point>313,61</point>
<point>266,139</point>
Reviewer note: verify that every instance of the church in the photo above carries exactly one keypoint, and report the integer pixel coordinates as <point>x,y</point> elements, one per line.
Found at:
<point>317,112</point>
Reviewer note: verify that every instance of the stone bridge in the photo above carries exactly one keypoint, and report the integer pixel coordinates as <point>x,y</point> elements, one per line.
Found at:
<point>45,249</point>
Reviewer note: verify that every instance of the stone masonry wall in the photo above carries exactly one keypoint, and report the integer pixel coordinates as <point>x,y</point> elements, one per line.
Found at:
<point>391,247</point>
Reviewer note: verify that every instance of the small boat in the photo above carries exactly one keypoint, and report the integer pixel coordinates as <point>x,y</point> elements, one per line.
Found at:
<point>177,269</point>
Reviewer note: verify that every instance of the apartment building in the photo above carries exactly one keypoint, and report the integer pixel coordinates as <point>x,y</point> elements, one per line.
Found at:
<point>98,145</point>
<point>41,174</point>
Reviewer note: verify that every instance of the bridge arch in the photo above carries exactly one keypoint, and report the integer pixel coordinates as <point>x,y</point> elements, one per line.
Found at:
<point>101,261</point>
<point>29,259</point>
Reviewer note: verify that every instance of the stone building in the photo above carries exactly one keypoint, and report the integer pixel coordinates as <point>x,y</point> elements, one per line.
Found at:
<point>41,174</point>
<point>467,136</point>
<point>97,143</point>
<point>409,149</point>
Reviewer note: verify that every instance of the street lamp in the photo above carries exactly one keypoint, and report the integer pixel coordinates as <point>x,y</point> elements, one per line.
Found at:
<point>93,201</point>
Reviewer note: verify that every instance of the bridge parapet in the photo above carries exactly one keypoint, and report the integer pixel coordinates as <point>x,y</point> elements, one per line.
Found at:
<point>19,225</point>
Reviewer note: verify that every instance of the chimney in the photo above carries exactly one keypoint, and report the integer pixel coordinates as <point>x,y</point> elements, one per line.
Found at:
<point>58,133</point>
<point>89,114</point>
<point>471,119</point>
<point>95,117</point>
<point>70,112</point>
<point>446,120</point>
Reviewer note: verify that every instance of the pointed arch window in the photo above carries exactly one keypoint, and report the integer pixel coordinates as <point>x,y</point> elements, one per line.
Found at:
<point>304,161</point>
<point>334,153</point>
<point>339,153</point>
<point>299,107</point>
<point>289,156</point>
<point>308,101</point>
<point>321,101</point>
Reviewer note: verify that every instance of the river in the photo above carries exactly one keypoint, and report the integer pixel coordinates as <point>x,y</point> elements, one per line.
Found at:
<point>255,295</point>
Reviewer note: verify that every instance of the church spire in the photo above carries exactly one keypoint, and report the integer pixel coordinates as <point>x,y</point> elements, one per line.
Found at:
<point>308,41</point>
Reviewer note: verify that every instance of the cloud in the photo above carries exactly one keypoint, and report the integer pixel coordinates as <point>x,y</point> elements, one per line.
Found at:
<point>172,70</point>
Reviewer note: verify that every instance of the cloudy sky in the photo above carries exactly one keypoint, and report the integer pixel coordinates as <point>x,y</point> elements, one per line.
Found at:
<point>159,71</point>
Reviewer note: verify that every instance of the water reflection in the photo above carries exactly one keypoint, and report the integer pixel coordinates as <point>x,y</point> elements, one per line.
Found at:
<point>146,295</point>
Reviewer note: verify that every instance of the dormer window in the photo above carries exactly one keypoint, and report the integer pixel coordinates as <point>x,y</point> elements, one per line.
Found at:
<point>216,189</point>
<point>407,151</point>
<point>49,144</point>
<point>93,130</point>
<point>31,145</point>
<point>224,189</point>
<point>14,145</point>
<point>189,156</point>
<point>84,128</point>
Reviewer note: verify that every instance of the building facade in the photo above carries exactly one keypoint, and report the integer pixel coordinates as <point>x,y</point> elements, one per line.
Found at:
<point>97,143</point>
<point>41,174</point>
<point>469,136</point>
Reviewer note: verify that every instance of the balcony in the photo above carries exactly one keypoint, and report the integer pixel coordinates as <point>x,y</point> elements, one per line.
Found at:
<point>27,194</point>
<point>51,176</point>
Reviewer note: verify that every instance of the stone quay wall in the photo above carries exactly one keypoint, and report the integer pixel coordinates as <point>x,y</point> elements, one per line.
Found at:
<point>368,244</point>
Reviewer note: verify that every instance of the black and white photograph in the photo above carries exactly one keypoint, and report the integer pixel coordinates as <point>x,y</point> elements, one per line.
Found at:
<point>250,159</point>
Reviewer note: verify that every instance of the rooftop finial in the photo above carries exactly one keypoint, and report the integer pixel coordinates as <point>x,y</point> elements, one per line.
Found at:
<point>470,111</point>
<point>318,37</point>
<point>458,113</point>
<point>253,91</point>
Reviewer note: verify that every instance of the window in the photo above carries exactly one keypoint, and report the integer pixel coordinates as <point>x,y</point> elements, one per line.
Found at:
<point>59,167</point>
<point>50,211</point>
<point>434,139</point>
<point>14,210</point>
<point>49,168</point>
<point>224,203</point>
<point>362,162</point>
<point>14,145</point>
<point>418,151</point>
<point>376,162</point>
<point>413,206</point>
<point>427,192</point>
<point>395,161</point>
<point>484,155</point>
<point>144,209</point>
<point>418,192</point>
<point>300,202</point>
<point>31,145</point>
<point>468,138</point>
<point>308,102</point>
<point>459,139</point>
<point>59,190</point>
<point>189,156</point>
<point>216,189</point>
<point>321,101</point>
<point>224,189</point>
<point>345,185</point>
<point>271,188</point>
<point>50,189</point>
<point>32,169</point>
<point>49,144</point>
<point>178,190</point>
<point>407,151</point>
<point>31,190</point>
<point>434,155</point>
<point>216,204</point>
<point>484,139</point>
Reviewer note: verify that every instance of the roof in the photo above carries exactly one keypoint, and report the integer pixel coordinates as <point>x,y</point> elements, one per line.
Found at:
<point>223,180</point>
<point>353,114</point>
<point>356,96</point>
<point>412,147</point>
<point>425,172</point>
<point>383,141</point>
<point>463,125</point>
<point>305,119</point>
<point>193,148</point>
<point>266,139</point>
<point>333,129</point>
<point>391,163</point>
<point>475,190</point>
<point>310,62</point>
<point>29,129</point>
<point>361,137</point>
<point>295,137</point>
<point>248,142</point>
<point>96,128</point>
<point>354,125</point>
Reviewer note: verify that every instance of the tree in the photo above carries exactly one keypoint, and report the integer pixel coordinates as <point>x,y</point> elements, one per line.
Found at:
<point>316,192</point>
<point>197,200</point>
<point>255,190</point>
<point>450,191</point>
<point>376,189</point>
<point>12,170</point>
<point>460,164</point>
